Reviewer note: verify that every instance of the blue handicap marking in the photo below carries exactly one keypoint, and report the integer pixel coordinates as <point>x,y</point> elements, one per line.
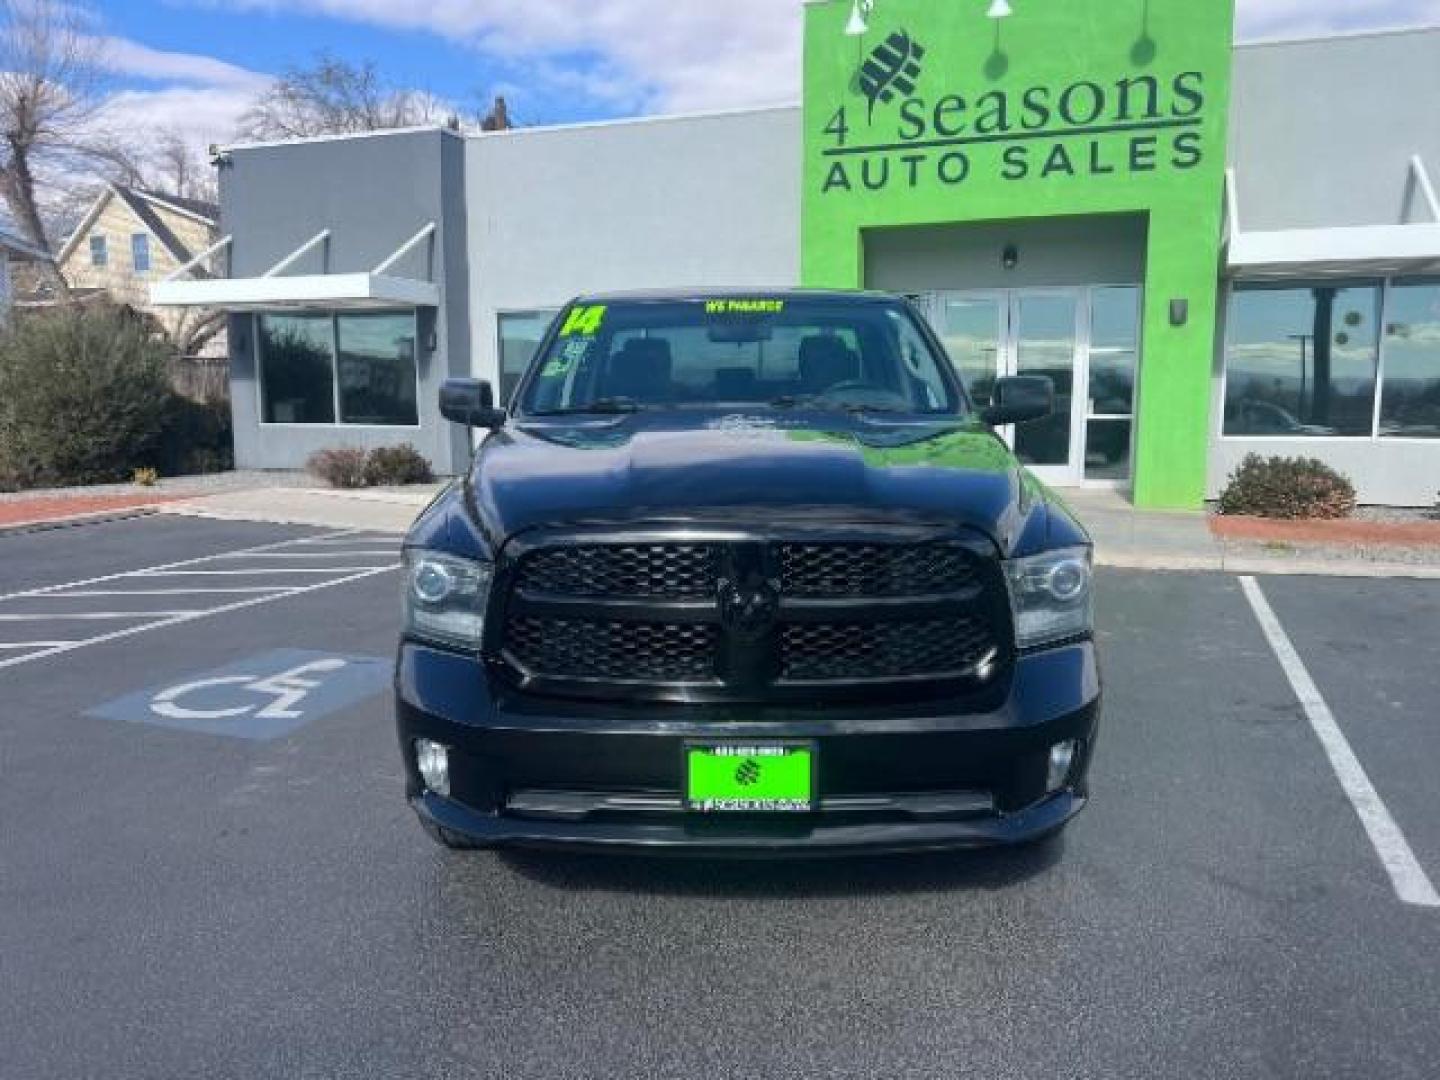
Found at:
<point>265,697</point>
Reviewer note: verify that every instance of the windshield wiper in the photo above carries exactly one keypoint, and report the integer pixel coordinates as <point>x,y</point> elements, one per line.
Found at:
<point>611,406</point>
<point>791,401</point>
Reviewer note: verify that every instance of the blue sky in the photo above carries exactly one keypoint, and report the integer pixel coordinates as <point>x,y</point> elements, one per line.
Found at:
<point>194,64</point>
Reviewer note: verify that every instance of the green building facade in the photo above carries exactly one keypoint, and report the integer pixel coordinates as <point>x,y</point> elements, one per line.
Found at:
<point>1112,116</point>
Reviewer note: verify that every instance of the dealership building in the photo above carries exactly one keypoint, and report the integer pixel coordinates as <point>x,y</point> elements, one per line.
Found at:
<point>1213,250</point>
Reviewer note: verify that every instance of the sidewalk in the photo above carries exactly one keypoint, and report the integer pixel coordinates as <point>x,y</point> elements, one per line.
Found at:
<point>41,508</point>
<point>1183,540</point>
<point>373,509</point>
<point>1124,536</point>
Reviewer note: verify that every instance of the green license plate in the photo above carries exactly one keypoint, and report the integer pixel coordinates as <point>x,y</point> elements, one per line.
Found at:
<point>750,778</point>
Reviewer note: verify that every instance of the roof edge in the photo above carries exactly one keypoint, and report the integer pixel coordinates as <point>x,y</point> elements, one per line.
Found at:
<point>1343,35</point>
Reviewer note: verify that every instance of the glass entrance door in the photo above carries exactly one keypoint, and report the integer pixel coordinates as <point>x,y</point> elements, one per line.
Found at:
<point>1044,339</point>
<point>1086,341</point>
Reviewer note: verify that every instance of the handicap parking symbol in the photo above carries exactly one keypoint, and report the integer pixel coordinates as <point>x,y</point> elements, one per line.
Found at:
<point>265,697</point>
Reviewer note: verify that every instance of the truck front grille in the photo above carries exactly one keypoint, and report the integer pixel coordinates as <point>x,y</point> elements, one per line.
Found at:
<point>877,570</point>
<point>741,618</point>
<point>636,570</point>
<point>615,651</point>
<point>822,652</point>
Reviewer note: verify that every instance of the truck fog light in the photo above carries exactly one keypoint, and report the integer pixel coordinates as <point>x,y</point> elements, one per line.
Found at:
<point>1062,756</point>
<point>434,762</point>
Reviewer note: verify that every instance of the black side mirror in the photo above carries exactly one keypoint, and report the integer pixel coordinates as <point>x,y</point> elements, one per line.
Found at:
<point>1020,399</point>
<point>470,402</point>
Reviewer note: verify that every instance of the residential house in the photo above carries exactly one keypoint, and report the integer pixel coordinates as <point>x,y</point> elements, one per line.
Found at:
<point>130,239</point>
<point>13,247</point>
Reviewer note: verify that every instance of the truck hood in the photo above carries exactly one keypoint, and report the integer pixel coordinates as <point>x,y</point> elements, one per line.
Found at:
<point>793,468</point>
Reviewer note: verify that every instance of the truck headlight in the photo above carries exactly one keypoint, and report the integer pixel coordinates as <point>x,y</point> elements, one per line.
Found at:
<point>1051,596</point>
<point>445,598</point>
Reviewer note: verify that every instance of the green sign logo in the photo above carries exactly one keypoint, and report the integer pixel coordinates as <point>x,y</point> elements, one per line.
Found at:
<point>748,774</point>
<point>1134,125</point>
<point>893,67</point>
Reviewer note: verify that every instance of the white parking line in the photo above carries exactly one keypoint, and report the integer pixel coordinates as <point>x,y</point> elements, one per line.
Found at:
<point>389,553</point>
<point>178,620</point>
<point>198,590</point>
<point>104,578</point>
<point>86,616</point>
<point>259,571</point>
<point>285,581</point>
<point>1406,874</point>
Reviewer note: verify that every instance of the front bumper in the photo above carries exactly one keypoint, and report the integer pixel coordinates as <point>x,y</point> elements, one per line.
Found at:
<point>917,777</point>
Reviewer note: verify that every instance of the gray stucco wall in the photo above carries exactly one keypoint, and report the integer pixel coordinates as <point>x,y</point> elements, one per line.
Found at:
<point>701,201</point>
<point>1065,251</point>
<point>373,193</point>
<point>1322,131</point>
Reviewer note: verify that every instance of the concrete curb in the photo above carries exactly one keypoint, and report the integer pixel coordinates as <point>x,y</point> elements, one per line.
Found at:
<point>96,517</point>
<point>1224,564</point>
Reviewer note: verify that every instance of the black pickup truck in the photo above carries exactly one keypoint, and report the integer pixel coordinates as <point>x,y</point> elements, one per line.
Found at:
<point>746,574</point>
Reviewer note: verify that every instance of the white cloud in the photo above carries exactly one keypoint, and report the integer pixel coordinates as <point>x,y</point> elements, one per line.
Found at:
<point>199,97</point>
<point>1294,18</point>
<point>125,57</point>
<point>667,55</point>
<point>625,56</point>
<point>680,55</point>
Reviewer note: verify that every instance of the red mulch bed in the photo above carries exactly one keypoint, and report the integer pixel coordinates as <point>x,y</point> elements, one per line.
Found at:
<point>1367,533</point>
<point>37,511</point>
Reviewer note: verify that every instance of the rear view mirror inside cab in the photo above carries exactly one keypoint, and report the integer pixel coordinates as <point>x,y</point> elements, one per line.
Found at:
<point>739,331</point>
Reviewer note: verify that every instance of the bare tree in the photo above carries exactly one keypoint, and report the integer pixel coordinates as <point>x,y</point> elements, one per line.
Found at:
<point>334,97</point>
<point>195,329</point>
<point>176,167</point>
<point>51,87</point>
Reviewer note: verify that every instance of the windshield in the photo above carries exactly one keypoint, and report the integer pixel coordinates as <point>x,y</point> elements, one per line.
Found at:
<point>780,353</point>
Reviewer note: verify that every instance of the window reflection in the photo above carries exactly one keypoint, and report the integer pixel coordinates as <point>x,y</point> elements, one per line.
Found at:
<point>1302,361</point>
<point>377,370</point>
<point>297,375</point>
<point>520,337</point>
<point>1411,402</point>
<point>372,354</point>
<point>970,329</point>
<point>1114,350</point>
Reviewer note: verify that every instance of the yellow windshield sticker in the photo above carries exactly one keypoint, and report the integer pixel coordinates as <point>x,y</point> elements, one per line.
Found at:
<point>744,307</point>
<point>584,320</point>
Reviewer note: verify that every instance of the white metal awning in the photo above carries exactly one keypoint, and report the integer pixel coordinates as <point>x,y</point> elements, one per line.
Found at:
<point>329,291</point>
<point>1362,250</point>
<point>375,290</point>
<point>1378,249</point>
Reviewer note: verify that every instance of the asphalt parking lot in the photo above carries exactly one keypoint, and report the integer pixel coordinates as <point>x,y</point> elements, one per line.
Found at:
<point>234,886</point>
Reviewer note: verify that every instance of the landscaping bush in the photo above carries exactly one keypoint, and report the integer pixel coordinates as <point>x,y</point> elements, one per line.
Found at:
<point>339,466</point>
<point>396,466</point>
<point>83,397</point>
<point>1290,488</point>
<point>195,437</point>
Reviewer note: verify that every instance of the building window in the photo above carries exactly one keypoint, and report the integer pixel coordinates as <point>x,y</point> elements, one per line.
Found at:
<point>1410,400</point>
<point>1114,358</point>
<point>297,369</point>
<point>359,367</point>
<point>520,336</point>
<point>377,370</point>
<point>140,253</point>
<point>1301,361</point>
<point>99,254</point>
